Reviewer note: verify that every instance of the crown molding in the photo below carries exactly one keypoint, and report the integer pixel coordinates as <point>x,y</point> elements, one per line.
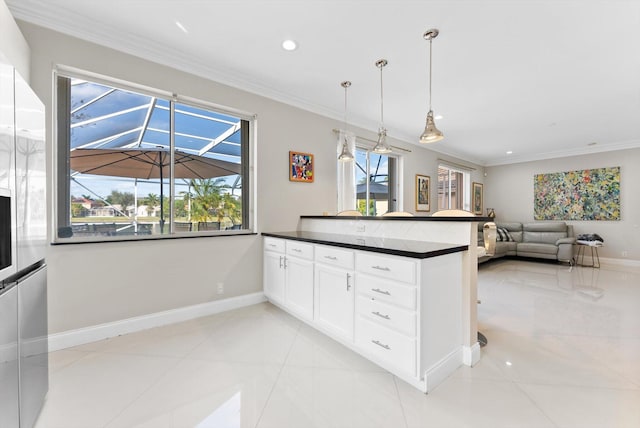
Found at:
<point>600,148</point>
<point>70,23</point>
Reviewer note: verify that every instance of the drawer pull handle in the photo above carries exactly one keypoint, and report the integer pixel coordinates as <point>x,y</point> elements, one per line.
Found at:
<point>331,257</point>
<point>384,268</point>
<point>281,261</point>
<point>272,245</point>
<point>387,317</point>
<point>377,290</point>
<point>297,250</point>
<point>382,345</point>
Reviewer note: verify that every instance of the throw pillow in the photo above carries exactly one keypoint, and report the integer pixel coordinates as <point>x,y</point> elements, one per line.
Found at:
<point>503,235</point>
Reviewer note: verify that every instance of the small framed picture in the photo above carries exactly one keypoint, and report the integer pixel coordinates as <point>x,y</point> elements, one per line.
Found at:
<point>423,192</point>
<point>477,198</point>
<point>301,167</point>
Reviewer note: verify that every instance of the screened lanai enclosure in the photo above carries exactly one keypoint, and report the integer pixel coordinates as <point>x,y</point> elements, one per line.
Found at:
<point>134,163</point>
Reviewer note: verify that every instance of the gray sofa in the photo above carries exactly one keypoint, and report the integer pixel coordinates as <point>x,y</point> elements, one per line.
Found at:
<point>544,240</point>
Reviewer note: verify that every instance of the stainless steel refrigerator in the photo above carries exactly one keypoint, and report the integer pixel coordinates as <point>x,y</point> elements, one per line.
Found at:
<point>23,240</point>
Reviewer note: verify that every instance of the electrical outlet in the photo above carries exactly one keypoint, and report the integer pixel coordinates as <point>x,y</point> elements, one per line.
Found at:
<point>220,288</point>
<point>360,228</point>
<point>625,253</point>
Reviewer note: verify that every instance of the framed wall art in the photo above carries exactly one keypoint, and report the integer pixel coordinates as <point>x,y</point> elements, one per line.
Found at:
<point>587,194</point>
<point>477,196</point>
<point>301,167</point>
<point>423,189</point>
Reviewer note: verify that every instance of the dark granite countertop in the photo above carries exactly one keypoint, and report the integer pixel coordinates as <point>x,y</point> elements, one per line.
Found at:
<point>396,247</point>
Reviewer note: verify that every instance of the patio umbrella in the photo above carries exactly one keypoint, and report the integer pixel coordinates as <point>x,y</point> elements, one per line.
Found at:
<point>377,191</point>
<point>149,163</point>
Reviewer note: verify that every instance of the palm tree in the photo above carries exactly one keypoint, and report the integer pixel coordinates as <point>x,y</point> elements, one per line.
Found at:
<point>152,202</point>
<point>206,198</point>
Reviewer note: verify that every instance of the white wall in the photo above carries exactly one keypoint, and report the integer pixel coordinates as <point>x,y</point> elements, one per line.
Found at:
<point>509,189</point>
<point>91,284</point>
<point>13,46</point>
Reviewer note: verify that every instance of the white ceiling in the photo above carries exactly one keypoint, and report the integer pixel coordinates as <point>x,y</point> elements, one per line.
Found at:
<point>539,78</point>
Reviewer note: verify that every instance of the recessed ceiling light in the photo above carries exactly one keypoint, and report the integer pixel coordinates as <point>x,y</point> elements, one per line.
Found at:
<point>289,45</point>
<point>508,363</point>
<point>509,152</point>
<point>182,27</point>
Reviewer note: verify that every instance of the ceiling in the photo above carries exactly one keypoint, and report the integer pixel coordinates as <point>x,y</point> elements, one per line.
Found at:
<point>539,78</point>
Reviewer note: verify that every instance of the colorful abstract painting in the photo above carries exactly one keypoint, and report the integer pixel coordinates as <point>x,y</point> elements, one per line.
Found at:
<point>589,194</point>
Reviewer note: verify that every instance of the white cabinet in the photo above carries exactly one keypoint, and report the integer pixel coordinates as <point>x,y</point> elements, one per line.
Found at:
<point>274,274</point>
<point>288,275</point>
<point>402,313</point>
<point>334,291</point>
<point>386,312</point>
<point>334,300</point>
<point>298,264</point>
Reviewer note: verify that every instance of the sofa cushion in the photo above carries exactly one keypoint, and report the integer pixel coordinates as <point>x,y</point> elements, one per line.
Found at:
<point>515,229</point>
<point>502,234</point>
<point>506,248</point>
<point>547,233</point>
<point>537,248</point>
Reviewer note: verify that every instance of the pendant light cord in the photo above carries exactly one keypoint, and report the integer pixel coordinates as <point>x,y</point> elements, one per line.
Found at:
<point>381,100</point>
<point>430,62</point>
<point>345,108</point>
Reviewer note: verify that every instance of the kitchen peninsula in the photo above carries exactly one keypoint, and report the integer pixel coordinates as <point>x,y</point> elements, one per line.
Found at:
<point>401,291</point>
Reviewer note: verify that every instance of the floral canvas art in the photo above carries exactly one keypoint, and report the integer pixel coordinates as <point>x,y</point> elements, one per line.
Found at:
<point>589,194</point>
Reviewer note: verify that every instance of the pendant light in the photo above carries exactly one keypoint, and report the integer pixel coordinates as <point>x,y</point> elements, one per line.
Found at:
<point>345,155</point>
<point>381,146</point>
<point>431,134</point>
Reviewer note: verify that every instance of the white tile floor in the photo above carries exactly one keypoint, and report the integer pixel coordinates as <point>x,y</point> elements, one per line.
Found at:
<point>564,352</point>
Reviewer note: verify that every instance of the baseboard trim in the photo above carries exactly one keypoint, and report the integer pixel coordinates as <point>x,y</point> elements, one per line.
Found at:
<point>81,336</point>
<point>471,354</point>
<point>614,262</point>
<point>442,370</point>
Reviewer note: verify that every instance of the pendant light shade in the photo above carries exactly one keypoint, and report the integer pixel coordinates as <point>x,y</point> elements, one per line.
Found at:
<point>431,134</point>
<point>345,154</point>
<point>381,146</point>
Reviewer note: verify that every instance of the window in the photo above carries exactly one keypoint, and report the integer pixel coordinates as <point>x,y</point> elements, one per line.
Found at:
<point>453,188</point>
<point>376,183</point>
<point>134,163</point>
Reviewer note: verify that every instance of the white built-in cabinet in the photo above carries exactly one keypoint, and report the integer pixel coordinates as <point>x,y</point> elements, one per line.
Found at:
<point>334,291</point>
<point>288,275</point>
<point>402,313</point>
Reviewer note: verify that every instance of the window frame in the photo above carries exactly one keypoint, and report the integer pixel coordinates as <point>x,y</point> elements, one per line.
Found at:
<point>394,186</point>
<point>60,154</point>
<point>465,187</point>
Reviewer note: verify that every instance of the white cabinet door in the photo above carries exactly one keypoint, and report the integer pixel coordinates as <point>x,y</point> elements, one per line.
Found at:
<point>299,286</point>
<point>334,308</point>
<point>274,276</point>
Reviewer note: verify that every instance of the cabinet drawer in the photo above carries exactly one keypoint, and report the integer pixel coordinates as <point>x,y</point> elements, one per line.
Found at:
<point>388,316</point>
<point>387,267</point>
<point>273,244</point>
<point>300,249</point>
<point>334,256</point>
<point>387,345</point>
<point>387,291</point>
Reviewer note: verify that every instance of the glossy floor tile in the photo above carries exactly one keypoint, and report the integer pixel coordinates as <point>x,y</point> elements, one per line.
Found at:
<point>563,352</point>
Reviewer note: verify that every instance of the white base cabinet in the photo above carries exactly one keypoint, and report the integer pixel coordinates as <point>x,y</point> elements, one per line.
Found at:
<point>288,275</point>
<point>405,314</point>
